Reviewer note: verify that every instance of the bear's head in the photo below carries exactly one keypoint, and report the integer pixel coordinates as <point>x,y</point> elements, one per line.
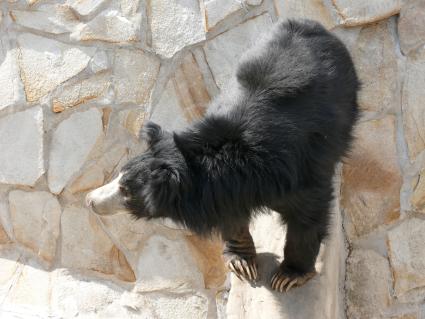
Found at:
<point>149,185</point>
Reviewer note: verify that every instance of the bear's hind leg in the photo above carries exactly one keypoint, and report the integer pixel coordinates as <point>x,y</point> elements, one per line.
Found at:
<point>240,255</point>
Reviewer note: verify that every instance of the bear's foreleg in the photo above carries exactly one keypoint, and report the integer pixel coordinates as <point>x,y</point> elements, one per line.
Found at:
<point>240,255</point>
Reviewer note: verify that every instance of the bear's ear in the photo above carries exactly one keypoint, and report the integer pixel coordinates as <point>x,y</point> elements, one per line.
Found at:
<point>165,182</point>
<point>151,133</point>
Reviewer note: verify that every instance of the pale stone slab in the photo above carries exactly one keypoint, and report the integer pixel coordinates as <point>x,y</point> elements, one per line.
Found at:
<point>91,178</point>
<point>86,246</point>
<point>10,90</point>
<point>224,51</point>
<point>218,10</point>
<point>110,26</point>
<point>71,144</point>
<point>36,221</point>
<point>352,13</point>
<point>304,9</point>
<point>86,7</point>
<point>375,58</point>
<point>175,25</point>
<point>81,92</point>
<point>21,144</point>
<point>367,284</point>
<point>407,257</point>
<point>46,63</point>
<point>4,239</point>
<point>418,197</point>
<point>372,178</point>
<point>135,73</point>
<point>166,264</point>
<point>411,25</point>
<point>55,19</point>
<point>413,105</point>
<point>168,112</point>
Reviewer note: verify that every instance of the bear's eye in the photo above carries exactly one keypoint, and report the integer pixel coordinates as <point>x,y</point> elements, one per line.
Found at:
<point>124,190</point>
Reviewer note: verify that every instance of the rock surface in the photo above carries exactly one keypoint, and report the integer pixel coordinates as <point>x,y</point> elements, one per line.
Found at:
<point>372,178</point>
<point>36,221</point>
<point>21,144</point>
<point>72,142</point>
<point>407,258</point>
<point>411,25</point>
<point>174,25</point>
<point>413,101</point>
<point>9,78</point>
<point>367,285</point>
<point>46,63</point>
<point>418,197</point>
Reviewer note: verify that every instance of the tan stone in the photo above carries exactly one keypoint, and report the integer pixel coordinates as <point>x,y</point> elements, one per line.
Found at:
<point>81,92</point>
<point>407,256</point>
<point>412,315</point>
<point>36,218</point>
<point>46,63</point>
<point>91,178</point>
<point>86,246</point>
<point>413,105</point>
<point>208,254</point>
<point>372,179</point>
<point>135,73</point>
<point>367,284</point>
<point>375,59</point>
<point>411,25</point>
<point>418,197</point>
<point>4,239</point>
<point>304,9</point>
<point>190,88</point>
<point>134,121</point>
<point>352,13</point>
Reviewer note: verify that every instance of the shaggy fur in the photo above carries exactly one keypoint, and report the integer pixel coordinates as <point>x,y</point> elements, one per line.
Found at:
<point>271,140</point>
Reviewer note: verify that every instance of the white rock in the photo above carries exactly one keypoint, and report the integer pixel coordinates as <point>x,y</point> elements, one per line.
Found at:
<point>86,7</point>
<point>71,144</point>
<point>129,7</point>
<point>99,62</point>
<point>9,78</point>
<point>218,10</point>
<point>110,26</point>
<point>224,51</point>
<point>174,25</point>
<point>81,92</point>
<point>165,264</point>
<point>36,220</point>
<point>10,269</point>
<point>351,13</point>
<point>168,112</point>
<point>56,19</point>
<point>86,246</point>
<point>407,256</point>
<point>304,9</point>
<point>46,63</point>
<point>21,144</point>
<point>135,73</point>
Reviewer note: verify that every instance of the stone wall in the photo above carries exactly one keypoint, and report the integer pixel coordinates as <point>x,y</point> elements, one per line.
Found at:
<point>77,80</point>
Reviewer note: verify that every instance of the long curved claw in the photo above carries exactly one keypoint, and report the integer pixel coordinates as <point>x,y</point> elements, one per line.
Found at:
<point>283,283</point>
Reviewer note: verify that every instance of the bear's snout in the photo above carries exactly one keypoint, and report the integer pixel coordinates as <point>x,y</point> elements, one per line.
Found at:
<point>106,200</point>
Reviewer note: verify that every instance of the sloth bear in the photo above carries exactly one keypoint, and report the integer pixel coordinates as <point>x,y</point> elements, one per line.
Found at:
<point>271,140</point>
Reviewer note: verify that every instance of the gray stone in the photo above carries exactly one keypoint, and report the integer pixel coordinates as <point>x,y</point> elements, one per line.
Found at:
<point>110,26</point>
<point>71,144</point>
<point>99,62</point>
<point>36,219</point>
<point>367,284</point>
<point>359,12</point>
<point>86,7</point>
<point>407,256</point>
<point>218,10</point>
<point>46,63</point>
<point>418,196</point>
<point>376,63</point>
<point>411,25</point>
<point>10,90</point>
<point>413,102</point>
<point>55,19</point>
<point>21,144</point>
<point>304,9</point>
<point>175,25</point>
<point>372,178</point>
<point>135,73</point>
<point>224,51</point>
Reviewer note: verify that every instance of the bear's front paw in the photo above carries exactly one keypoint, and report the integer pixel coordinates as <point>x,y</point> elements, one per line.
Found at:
<point>243,268</point>
<point>283,281</point>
